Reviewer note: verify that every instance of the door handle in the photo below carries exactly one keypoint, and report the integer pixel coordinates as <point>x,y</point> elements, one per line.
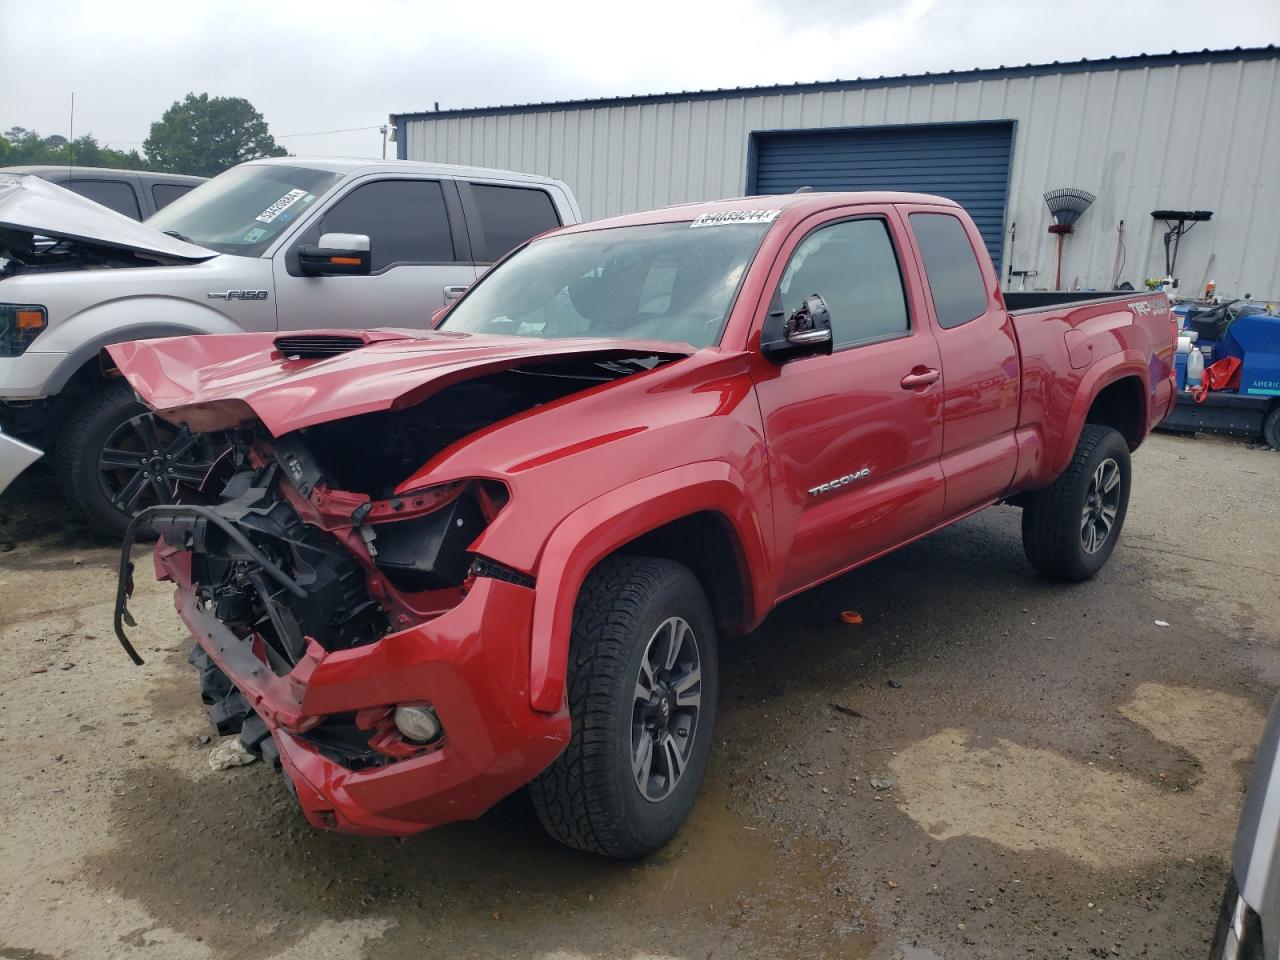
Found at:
<point>920,377</point>
<point>452,293</point>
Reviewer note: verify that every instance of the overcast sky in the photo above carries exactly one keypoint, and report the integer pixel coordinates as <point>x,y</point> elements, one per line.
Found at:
<point>319,66</point>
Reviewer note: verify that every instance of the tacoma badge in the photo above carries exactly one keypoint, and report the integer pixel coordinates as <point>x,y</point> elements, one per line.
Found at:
<point>839,482</point>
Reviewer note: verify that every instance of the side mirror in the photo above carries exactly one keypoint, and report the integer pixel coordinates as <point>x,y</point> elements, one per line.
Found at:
<point>806,331</point>
<point>337,254</point>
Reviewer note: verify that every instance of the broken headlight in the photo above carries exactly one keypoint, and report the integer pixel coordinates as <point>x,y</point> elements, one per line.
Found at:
<point>431,551</point>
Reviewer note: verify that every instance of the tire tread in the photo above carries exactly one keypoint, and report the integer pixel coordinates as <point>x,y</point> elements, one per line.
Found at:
<point>1051,519</point>
<point>74,462</point>
<point>575,798</point>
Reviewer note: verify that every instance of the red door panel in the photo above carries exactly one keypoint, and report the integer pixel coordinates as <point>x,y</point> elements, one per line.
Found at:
<point>980,364</point>
<point>853,450</point>
<point>827,418</point>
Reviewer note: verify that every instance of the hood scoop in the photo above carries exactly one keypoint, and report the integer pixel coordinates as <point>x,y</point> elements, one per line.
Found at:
<point>313,346</point>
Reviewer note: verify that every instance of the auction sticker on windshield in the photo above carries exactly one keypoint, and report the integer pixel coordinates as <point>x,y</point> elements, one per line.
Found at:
<point>736,216</point>
<point>280,206</point>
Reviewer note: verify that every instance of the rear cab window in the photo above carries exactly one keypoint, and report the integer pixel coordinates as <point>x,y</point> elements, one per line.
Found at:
<point>508,216</point>
<point>118,195</point>
<point>164,194</point>
<point>951,268</point>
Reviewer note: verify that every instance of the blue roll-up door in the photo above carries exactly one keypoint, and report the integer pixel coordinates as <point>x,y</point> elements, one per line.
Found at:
<point>966,162</point>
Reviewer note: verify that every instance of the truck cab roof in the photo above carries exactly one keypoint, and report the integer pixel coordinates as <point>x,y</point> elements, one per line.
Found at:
<point>795,206</point>
<point>356,166</point>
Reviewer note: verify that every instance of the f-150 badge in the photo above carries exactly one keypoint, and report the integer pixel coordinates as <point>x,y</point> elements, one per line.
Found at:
<point>237,294</point>
<point>839,482</point>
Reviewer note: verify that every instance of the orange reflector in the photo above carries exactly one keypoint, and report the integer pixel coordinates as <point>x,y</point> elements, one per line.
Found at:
<point>351,261</point>
<point>30,320</point>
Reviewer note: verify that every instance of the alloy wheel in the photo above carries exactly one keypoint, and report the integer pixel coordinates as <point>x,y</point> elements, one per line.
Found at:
<point>145,459</point>
<point>1101,505</point>
<point>668,698</point>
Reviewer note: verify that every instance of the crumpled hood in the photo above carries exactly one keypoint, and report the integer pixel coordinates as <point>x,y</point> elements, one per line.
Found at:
<point>32,205</point>
<point>224,381</point>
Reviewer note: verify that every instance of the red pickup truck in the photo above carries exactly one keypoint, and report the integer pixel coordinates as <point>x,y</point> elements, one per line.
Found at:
<point>442,565</point>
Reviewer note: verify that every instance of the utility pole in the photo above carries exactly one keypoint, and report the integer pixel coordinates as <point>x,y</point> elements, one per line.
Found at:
<point>383,129</point>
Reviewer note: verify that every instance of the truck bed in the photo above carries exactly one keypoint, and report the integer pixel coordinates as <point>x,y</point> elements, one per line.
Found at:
<point>1036,300</point>
<point>1071,344</point>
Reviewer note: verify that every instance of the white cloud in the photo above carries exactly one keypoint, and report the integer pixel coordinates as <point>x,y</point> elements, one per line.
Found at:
<point>317,66</point>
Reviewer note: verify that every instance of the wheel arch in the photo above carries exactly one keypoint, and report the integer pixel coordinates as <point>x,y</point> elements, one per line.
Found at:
<point>125,320</point>
<point>1121,405</point>
<point>1113,393</point>
<point>655,516</point>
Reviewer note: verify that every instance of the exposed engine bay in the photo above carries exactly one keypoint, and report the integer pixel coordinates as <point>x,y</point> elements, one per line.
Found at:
<point>373,453</point>
<point>305,538</point>
<point>294,582</point>
<point>269,566</point>
<point>26,253</point>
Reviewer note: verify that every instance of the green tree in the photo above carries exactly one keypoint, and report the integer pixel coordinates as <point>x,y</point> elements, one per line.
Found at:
<point>205,135</point>
<point>18,145</point>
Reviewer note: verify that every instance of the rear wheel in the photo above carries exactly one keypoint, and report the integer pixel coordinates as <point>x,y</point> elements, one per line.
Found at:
<point>1271,428</point>
<point>642,689</point>
<point>1070,529</point>
<point>116,457</point>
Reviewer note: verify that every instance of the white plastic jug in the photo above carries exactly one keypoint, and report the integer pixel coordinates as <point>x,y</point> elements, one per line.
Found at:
<point>1195,368</point>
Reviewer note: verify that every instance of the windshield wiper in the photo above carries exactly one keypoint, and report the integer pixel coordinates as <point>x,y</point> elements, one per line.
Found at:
<point>178,236</point>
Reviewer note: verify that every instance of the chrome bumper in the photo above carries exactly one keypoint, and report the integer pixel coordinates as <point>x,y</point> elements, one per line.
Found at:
<point>15,456</point>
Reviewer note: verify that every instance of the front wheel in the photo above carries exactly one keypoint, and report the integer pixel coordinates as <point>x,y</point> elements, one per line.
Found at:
<point>1070,529</point>
<point>115,457</point>
<point>642,688</point>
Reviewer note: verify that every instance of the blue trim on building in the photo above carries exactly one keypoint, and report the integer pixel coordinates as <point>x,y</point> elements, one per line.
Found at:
<point>1139,62</point>
<point>402,146</point>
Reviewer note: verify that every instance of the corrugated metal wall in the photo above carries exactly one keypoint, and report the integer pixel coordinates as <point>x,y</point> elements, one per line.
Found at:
<point>1188,136</point>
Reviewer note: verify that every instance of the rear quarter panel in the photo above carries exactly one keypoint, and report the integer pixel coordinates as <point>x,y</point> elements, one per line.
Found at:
<point>1069,355</point>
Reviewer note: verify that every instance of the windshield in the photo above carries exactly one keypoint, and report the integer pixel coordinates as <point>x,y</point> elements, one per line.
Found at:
<point>663,281</point>
<point>243,210</point>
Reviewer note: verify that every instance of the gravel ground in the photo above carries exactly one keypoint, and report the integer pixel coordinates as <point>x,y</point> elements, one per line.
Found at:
<point>989,765</point>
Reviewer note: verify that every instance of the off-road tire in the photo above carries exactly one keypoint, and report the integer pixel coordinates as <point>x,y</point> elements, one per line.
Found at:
<point>1051,518</point>
<point>589,798</point>
<point>1271,428</point>
<point>76,452</point>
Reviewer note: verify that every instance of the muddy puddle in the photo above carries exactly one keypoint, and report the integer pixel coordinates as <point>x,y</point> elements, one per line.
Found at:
<point>224,859</point>
<point>955,784</point>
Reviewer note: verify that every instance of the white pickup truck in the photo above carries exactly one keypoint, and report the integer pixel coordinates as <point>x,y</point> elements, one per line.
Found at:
<point>269,245</point>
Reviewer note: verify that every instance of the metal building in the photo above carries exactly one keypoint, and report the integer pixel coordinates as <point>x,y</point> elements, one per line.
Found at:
<point>1180,131</point>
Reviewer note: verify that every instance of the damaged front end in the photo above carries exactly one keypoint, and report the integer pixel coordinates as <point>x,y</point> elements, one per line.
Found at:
<point>336,635</point>
<point>45,228</point>
<point>294,570</point>
<point>348,626</point>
